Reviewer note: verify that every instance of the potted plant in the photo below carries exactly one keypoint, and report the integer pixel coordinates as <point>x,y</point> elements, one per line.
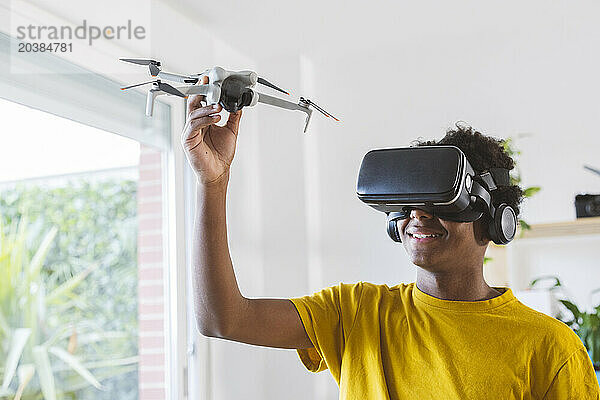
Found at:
<point>586,325</point>
<point>515,177</point>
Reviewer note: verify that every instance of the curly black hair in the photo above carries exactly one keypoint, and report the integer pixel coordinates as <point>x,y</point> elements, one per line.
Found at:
<point>483,152</point>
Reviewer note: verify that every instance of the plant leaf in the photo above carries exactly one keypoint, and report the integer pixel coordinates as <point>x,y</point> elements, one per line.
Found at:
<point>545,277</point>
<point>38,258</point>
<point>70,284</point>
<point>99,336</point>
<point>76,365</point>
<point>592,293</point>
<point>76,382</point>
<point>573,308</point>
<point>113,362</point>
<point>44,370</point>
<point>530,191</point>
<point>25,373</point>
<point>16,349</point>
<point>524,225</point>
<point>4,324</point>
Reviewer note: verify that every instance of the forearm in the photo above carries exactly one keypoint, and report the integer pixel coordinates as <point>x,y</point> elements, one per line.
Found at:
<point>217,297</point>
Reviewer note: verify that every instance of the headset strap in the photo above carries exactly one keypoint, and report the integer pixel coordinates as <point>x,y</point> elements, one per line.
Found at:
<point>495,177</point>
<point>482,195</point>
<point>501,176</point>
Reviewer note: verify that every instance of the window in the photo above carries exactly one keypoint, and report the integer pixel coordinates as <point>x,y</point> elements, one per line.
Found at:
<point>84,191</point>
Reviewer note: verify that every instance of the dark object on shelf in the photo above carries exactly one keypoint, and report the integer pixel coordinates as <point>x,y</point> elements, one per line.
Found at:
<point>587,205</point>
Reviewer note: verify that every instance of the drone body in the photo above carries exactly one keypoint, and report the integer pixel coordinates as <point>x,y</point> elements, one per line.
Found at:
<point>232,89</point>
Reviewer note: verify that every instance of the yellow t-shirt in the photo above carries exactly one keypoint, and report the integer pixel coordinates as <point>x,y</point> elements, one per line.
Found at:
<point>398,342</point>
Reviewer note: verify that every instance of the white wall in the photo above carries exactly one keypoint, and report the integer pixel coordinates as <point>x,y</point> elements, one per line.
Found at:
<point>295,223</point>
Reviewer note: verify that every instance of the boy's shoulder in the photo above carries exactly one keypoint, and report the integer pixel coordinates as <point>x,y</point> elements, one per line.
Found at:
<point>549,331</point>
<point>384,288</point>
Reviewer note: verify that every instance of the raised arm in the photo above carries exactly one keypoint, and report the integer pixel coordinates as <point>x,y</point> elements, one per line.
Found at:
<point>220,308</point>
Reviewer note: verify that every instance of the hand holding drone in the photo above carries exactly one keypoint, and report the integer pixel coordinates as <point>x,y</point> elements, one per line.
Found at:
<point>209,148</point>
<point>232,90</point>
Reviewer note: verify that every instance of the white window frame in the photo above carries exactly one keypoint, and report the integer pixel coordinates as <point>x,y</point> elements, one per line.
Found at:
<point>123,114</point>
<point>192,349</point>
<point>175,208</point>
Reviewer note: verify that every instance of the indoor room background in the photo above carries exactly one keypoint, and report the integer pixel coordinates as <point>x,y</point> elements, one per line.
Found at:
<point>392,73</point>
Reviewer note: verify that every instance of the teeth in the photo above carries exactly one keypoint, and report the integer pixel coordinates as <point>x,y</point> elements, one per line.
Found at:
<point>420,236</point>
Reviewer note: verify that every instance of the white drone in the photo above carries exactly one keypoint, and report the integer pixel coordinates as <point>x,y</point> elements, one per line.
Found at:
<point>233,90</point>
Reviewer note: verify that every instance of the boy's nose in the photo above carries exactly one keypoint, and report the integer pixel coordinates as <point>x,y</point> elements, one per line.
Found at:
<point>418,213</point>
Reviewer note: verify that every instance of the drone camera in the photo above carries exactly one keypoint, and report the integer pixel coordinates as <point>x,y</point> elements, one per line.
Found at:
<point>235,95</point>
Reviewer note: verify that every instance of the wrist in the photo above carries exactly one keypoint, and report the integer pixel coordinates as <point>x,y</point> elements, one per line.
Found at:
<point>218,184</point>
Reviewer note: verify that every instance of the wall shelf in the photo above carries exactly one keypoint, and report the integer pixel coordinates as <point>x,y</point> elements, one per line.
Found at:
<point>580,226</point>
<point>502,270</point>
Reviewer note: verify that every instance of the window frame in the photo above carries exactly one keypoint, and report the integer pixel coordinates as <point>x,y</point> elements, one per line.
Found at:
<point>113,111</point>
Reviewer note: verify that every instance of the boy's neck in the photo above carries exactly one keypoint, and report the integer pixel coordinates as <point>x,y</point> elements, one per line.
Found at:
<point>461,286</point>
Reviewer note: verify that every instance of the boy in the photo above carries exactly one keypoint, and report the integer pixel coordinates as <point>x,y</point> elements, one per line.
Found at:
<point>449,335</point>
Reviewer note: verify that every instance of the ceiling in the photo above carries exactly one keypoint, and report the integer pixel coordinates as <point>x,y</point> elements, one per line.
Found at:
<point>326,28</point>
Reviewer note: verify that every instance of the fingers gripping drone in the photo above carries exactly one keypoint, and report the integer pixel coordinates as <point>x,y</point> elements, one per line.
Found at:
<point>234,90</point>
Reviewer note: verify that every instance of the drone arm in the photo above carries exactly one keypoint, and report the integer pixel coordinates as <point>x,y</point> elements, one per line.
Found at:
<point>274,101</point>
<point>195,89</point>
<point>174,77</point>
<point>152,93</point>
<point>212,92</point>
<point>308,114</point>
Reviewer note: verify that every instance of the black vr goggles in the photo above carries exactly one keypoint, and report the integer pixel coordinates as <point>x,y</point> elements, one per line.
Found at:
<point>437,179</point>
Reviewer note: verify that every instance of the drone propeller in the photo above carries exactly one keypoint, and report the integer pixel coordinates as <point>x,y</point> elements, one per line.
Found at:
<point>594,170</point>
<point>153,65</point>
<point>165,87</point>
<point>269,84</point>
<point>322,111</point>
<point>137,84</point>
<point>141,61</point>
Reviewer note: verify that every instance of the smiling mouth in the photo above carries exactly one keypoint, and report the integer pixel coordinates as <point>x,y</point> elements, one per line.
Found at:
<point>421,238</point>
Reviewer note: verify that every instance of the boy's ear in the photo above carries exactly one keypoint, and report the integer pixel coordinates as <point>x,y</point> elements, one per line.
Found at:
<point>480,231</point>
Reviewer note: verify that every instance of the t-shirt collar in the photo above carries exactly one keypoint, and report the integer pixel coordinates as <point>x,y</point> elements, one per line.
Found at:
<point>459,305</point>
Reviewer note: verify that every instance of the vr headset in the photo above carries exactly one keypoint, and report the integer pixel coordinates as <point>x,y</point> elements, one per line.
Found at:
<point>437,179</point>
